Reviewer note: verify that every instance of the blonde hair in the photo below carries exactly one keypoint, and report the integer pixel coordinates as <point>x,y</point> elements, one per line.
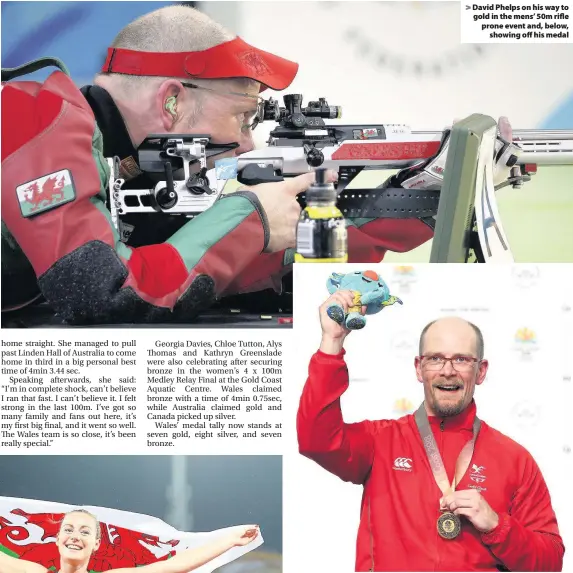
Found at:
<point>85,511</point>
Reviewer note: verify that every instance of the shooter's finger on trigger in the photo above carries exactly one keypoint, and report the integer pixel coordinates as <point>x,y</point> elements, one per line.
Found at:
<point>363,310</point>
<point>331,176</point>
<point>300,183</point>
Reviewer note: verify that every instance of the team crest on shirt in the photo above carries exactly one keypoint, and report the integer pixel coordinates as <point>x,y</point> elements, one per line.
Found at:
<point>46,192</point>
<point>477,474</point>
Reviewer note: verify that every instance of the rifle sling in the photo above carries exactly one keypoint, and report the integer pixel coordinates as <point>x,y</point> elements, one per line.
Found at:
<point>390,203</point>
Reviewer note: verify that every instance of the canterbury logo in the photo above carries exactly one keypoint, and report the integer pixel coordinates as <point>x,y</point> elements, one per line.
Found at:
<point>404,464</point>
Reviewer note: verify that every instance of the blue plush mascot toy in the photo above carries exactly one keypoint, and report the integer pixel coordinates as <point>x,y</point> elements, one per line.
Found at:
<point>369,290</point>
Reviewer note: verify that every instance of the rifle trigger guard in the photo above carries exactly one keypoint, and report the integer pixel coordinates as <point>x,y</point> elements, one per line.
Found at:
<point>253,174</point>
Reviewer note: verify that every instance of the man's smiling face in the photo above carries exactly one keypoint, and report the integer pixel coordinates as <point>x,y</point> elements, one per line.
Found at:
<point>450,366</point>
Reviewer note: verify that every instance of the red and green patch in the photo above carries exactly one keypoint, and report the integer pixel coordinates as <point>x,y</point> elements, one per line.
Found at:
<point>45,193</point>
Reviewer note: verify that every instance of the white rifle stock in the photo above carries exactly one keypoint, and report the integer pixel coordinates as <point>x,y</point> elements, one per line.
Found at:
<point>466,208</point>
<point>467,215</point>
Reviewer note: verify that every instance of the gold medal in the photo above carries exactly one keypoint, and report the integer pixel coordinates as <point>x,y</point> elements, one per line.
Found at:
<point>449,525</point>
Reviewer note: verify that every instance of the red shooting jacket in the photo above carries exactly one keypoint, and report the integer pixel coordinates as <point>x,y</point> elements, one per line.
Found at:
<point>400,503</point>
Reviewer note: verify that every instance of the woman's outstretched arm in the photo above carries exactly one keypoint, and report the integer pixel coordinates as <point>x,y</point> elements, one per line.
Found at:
<point>10,564</point>
<point>191,559</point>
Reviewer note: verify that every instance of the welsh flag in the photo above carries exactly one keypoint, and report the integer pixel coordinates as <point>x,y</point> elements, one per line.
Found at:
<point>28,530</point>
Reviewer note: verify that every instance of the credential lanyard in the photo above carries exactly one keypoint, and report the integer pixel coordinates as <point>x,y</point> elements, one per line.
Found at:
<point>434,457</point>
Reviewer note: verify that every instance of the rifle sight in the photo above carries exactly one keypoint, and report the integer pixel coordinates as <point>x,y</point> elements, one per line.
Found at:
<point>293,114</point>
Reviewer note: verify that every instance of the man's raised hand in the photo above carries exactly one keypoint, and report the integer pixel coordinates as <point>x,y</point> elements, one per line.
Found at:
<point>333,333</point>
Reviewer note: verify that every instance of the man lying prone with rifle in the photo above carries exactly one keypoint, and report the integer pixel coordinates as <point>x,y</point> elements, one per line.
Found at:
<point>303,142</point>
<point>70,233</point>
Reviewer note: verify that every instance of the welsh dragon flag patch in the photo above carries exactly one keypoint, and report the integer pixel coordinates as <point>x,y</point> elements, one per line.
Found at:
<point>45,193</point>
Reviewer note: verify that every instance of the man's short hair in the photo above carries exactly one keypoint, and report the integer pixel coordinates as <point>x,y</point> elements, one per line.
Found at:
<point>176,28</point>
<point>479,338</point>
<point>172,29</point>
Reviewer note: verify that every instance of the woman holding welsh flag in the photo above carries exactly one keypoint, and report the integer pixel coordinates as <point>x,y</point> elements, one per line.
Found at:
<point>80,535</point>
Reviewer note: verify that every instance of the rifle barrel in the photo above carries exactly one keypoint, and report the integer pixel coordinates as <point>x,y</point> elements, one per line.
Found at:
<point>540,146</point>
<point>545,147</point>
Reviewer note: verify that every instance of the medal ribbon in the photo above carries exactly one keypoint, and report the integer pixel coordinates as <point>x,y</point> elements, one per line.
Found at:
<point>434,457</point>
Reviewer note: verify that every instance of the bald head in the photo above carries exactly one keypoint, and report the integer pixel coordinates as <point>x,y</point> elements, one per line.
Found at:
<point>451,332</point>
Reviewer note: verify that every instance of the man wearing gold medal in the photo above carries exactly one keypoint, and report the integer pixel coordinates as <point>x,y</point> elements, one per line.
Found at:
<point>443,491</point>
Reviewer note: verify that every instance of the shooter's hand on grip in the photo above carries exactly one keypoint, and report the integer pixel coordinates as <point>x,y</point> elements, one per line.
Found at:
<point>333,332</point>
<point>281,208</point>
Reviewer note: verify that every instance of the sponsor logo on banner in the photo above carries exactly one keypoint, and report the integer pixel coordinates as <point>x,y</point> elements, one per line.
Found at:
<point>525,276</point>
<point>403,464</point>
<point>403,346</point>
<point>403,406</point>
<point>32,536</point>
<point>526,414</point>
<point>525,342</point>
<point>404,276</point>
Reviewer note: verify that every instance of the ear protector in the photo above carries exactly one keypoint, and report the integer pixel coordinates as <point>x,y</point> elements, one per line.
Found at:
<point>171,106</point>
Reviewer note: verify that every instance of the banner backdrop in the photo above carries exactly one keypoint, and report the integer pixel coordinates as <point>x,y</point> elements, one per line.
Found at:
<point>28,530</point>
<point>525,315</point>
